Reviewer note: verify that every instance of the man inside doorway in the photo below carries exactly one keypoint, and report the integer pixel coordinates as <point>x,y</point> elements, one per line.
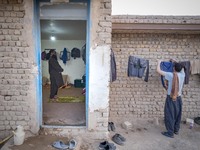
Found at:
<point>55,75</point>
<point>173,103</point>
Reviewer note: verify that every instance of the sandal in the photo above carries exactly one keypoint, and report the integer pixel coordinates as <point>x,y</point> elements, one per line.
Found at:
<point>60,145</point>
<point>72,144</point>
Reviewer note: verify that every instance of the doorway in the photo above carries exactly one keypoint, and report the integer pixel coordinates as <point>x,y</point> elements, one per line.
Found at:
<point>63,28</point>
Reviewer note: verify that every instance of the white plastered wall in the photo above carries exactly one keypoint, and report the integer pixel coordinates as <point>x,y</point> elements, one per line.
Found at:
<point>99,78</point>
<point>74,68</point>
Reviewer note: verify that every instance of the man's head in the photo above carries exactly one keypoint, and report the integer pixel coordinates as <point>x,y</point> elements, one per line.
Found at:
<point>178,67</point>
<point>52,52</point>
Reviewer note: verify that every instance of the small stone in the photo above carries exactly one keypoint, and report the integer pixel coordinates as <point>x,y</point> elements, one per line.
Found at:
<point>126,125</point>
<point>189,121</point>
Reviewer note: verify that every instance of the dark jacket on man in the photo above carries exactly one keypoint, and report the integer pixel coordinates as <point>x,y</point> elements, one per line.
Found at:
<point>55,75</point>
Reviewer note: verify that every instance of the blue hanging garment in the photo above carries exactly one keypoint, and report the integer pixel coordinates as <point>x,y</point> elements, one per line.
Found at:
<point>167,67</point>
<point>64,56</point>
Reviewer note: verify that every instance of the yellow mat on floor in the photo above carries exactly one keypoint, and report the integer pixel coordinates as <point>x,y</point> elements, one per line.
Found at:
<point>69,99</point>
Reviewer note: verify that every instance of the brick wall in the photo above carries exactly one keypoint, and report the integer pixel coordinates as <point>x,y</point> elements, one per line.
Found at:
<point>101,22</point>
<point>131,96</point>
<point>18,69</point>
<point>15,66</point>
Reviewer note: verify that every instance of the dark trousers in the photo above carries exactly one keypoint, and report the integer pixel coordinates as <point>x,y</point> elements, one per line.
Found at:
<point>172,113</point>
<point>54,87</point>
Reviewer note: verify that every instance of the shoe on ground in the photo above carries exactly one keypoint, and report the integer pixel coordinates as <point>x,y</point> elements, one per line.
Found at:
<point>60,145</point>
<point>167,134</point>
<point>103,144</point>
<point>106,146</point>
<point>110,146</point>
<point>117,140</point>
<point>109,126</point>
<point>112,126</point>
<point>72,144</point>
<point>123,139</point>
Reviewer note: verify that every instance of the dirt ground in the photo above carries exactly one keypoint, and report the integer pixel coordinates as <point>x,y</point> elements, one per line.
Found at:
<point>71,114</point>
<point>144,135</point>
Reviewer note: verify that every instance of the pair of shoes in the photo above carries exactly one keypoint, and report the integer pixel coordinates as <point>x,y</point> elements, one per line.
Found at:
<point>60,145</point>
<point>118,139</point>
<point>111,126</point>
<point>106,146</point>
<point>167,134</point>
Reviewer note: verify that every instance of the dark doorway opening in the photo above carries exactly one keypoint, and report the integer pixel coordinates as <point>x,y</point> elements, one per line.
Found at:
<point>67,24</point>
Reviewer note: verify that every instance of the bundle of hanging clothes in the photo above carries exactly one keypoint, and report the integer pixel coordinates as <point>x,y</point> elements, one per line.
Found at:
<point>195,66</point>
<point>190,67</point>
<point>137,67</point>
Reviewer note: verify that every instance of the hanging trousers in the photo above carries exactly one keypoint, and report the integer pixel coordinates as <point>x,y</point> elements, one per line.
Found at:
<point>172,114</point>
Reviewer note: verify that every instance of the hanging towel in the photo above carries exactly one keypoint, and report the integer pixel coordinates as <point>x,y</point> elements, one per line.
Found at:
<point>195,66</point>
<point>175,87</point>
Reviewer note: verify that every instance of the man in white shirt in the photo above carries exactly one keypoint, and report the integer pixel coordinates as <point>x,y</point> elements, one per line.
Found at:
<point>173,106</point>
